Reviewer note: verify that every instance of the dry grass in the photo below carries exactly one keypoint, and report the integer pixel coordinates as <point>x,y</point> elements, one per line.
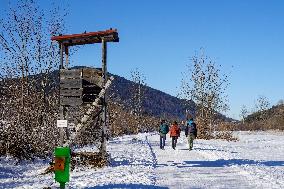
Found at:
<point>91,159</point>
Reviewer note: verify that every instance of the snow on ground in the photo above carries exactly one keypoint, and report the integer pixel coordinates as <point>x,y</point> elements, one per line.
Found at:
<point>255,161</point>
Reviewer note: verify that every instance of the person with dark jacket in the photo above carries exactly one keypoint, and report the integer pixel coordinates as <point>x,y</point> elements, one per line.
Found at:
<point>190,132</point>
<point>174,134</point>
<point>163,130</point>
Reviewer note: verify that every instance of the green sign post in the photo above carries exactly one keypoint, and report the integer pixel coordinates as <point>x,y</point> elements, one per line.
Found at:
<point>62,165</point>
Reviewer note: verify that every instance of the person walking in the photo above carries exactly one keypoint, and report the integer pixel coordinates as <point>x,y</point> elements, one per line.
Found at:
<point>174,134</point>
<point>163,130</point>
<point>190,132</point>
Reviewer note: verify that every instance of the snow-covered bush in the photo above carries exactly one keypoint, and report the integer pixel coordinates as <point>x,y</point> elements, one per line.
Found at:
<point>30,130</point>
<point>28,98</point>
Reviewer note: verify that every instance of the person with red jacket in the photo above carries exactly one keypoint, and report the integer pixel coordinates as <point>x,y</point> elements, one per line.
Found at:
<point>174,134</point>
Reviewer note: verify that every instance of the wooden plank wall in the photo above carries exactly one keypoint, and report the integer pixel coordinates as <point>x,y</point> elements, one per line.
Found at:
<point>78,86</point>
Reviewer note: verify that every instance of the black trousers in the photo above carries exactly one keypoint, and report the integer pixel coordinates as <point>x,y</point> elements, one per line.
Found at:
<point>174,141</point>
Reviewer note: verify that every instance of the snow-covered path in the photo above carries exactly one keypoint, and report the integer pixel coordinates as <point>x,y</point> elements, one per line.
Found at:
<point>247,163</point>
<point>182,168</point>
<point>255,161</point>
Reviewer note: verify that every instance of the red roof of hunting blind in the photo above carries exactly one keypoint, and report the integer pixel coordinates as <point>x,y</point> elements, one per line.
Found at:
<point>110,35</point>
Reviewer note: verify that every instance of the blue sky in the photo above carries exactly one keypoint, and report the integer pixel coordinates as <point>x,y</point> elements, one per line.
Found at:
<point>159,36</point>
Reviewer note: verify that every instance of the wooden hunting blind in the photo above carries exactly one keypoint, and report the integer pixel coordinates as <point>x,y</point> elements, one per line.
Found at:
<point>78,86</point>
<point>82,86</point>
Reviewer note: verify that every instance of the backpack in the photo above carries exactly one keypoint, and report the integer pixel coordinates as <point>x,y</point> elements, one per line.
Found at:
<point>164,129</point>
<point>191,128</point>
<point>189,122</point>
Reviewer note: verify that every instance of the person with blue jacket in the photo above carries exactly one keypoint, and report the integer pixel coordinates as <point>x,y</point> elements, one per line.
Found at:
<point>163,130</point>
<point>190,132</point>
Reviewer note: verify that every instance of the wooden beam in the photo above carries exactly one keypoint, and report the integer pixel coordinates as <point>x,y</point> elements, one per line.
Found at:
<point>61,56</point>
<point>93,81</point>
<point>71,83</point>
<point>71,92</point>
<point>84,35</point>
<point>104,113</point>
<point>87,38</point>
<point>66,55</point>
<point>88,41</point>
<point>91,72</point>
<point>70,101</point>
<point>71,74</point>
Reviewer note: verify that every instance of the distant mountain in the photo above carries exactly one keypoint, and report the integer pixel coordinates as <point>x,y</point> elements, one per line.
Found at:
<point>156,103</point>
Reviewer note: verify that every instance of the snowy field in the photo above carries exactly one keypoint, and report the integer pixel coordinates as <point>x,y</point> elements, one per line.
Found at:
<point>255,161</point>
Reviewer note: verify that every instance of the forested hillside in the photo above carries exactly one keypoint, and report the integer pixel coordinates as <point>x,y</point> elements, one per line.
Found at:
<point>155,103</point>
<point>272,118</point>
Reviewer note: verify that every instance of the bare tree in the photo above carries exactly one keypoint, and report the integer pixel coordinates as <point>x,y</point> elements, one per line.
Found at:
<point>137,95</point>
<point>262,104</point>
<point>27,57</point>
<point>204,83</point>
<point>244,113</point>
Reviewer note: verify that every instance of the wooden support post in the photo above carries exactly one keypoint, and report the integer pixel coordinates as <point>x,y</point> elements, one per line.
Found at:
<point>66,55</point>
<point>61,56</point>
<point>104,113</point>
<point>61,108</point>
<point>66,130</point>
<point>61,129</point>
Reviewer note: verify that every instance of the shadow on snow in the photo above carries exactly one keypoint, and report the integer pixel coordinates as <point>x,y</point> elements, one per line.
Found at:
<point>224,163</point>
<point>208,149</point>
<point>7,173</point>
<point>128,186</point>
<point>125,161</point>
